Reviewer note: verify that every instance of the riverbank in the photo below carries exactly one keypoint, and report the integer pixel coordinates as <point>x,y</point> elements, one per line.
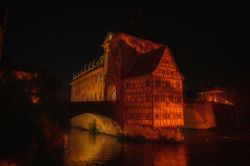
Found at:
<point>148,133</point>
<point>100,124</point>
<point>142,137</point>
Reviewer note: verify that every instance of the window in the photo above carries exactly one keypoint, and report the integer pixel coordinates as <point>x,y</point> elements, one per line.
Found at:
<point>162,97</point>
<point>148,97</point>
<point>179,99</point>
<point>156,97</point>
<point>170,97</point>
<point>128,98</point>
<point>100,95</point>
<point>147,83</point>
<point>127,85</point>
<point>168,84</point>
<point>178,84</point>
<point>157,83</point>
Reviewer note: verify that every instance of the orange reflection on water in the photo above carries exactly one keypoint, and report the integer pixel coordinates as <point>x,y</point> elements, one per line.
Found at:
<point>87,149</point>
<point>171,155</point>
<point>35,99</point>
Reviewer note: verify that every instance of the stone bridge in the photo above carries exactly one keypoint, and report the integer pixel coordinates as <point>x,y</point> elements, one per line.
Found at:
<point>107,117</point>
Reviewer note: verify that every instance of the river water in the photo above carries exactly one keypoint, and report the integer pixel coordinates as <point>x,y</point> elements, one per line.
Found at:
<point>201,148</point>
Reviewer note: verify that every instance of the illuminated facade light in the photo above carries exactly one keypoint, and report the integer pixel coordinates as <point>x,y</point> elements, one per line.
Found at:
<point>141,74</point>
<point>214,95</point>
<point>35,99</point>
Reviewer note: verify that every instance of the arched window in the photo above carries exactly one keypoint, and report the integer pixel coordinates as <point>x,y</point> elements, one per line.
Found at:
<point>111,93</point>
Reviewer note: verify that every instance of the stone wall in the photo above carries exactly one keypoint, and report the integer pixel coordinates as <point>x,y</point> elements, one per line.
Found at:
<point>199,115</point>
<point>204,115</point>
<point>100,123</point>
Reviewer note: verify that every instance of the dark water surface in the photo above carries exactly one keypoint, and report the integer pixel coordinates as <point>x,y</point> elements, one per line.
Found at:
<point>201,148</point>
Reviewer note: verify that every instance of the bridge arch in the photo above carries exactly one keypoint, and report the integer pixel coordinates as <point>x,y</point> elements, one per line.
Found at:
<point>103,124</point>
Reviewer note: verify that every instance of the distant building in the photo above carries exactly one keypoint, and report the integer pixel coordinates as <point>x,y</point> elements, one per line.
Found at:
<point>139,74</point>
<point>216,95</point>
<point>211,108</point>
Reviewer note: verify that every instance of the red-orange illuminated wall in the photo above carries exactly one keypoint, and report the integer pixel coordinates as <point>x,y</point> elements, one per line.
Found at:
<point>156,99</point>
<point>139,74</point>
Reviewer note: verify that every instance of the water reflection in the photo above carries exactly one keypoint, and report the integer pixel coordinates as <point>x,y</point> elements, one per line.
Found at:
<point>201,148</point>
<point>87,149</point>
<point>174,156</point>
<point>152,154</point>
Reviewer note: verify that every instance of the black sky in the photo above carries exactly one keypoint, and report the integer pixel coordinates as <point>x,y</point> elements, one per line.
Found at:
<point>209,40</point>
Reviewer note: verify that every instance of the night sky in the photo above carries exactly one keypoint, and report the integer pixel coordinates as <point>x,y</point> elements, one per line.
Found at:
<point>209,40</point>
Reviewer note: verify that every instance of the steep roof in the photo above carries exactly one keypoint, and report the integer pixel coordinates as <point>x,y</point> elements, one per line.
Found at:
<point>147,63</point>
<point>142,46</point>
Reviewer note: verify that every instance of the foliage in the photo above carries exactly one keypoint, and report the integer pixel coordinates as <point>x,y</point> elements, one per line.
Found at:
<point>28,128</point>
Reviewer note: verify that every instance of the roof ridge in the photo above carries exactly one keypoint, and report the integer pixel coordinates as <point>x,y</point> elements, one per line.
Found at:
<point>136,37</point>
<point>150,59</point>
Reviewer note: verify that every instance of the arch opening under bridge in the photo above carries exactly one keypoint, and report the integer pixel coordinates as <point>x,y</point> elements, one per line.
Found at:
<point>102,124</point>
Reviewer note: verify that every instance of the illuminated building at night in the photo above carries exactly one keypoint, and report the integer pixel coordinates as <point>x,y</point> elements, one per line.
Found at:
<point>139,74</point>
<point>212,107</point>
<point>216,95</point>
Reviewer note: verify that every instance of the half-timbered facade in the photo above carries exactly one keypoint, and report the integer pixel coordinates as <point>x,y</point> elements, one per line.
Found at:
<point>141,75</point>
<point>153,93</point>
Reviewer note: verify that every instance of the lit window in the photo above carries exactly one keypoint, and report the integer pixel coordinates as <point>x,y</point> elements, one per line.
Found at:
<point>147,83</point>
<point>168,84</point>
<point>157,83</point>
<point>148,97</point>
<point>170,97</point>
<point>127,85</point>
<point>35,99</point>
